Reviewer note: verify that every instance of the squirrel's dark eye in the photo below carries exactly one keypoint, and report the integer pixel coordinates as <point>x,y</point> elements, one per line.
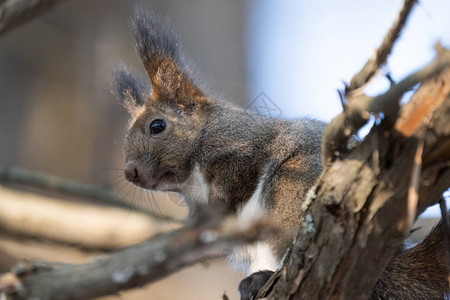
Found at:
<point>157,126</point>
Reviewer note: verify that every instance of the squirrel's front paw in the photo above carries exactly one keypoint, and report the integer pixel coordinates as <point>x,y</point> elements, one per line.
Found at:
<point>250,286</point>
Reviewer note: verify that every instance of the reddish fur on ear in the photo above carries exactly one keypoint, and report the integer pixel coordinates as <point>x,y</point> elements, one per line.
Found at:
<point>169,82</point>
<point>160,51</point>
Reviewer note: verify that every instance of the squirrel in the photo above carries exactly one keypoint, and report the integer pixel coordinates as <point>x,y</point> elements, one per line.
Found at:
<point>180,138</point>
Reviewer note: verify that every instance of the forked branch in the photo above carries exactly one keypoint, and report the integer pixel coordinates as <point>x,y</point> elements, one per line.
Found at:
<point>360,106</point>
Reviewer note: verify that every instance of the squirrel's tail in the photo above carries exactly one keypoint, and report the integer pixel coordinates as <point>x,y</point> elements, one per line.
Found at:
<point>419,272</point>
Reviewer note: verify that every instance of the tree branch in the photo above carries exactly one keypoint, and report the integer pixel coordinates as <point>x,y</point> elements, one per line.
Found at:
<point>83,225</point>
<point>72,188</point>
<point>360,106</point>
<point>210,235</point>
<point>382,52</point>
<point>14,13</point>
<point>356,219</point>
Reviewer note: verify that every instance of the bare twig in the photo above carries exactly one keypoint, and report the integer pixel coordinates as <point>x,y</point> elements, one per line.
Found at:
<point>211,235</point>
<point>389,77</point>
<point>342,99</point>
<point>16,12</point>
<point>71,188</point>
<point>383,51</point>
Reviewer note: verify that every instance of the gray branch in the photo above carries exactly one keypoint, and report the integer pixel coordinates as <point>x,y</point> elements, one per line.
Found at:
<point>14,13</point>
<point>71,188</point>
<point>209,236</point>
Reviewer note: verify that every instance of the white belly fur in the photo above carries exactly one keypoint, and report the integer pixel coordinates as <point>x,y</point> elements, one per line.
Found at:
<point>195,189</point>
<point>259,256</point>
<point>248,259</point>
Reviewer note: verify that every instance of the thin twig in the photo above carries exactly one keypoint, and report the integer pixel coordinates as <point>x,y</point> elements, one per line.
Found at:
<point>382,52</point>
<point>389,77</point>
<point>72,188</point>
<point>342,98</point>
<point>16,12</point>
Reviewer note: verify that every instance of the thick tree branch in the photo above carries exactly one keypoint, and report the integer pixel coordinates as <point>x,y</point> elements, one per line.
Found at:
<point>16,12</point>
<point>382,52</point>
<point>210,235</point>
<point>356,218</point>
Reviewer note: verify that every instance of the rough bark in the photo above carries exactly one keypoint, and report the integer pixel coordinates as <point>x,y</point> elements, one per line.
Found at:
<point>358,213</point>
<point>360,106</point>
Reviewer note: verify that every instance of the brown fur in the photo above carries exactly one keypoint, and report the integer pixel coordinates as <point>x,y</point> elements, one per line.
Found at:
<point>416,273</point>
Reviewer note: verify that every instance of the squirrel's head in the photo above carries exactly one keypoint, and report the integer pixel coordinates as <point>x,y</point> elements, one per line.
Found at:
<point>167,110</point>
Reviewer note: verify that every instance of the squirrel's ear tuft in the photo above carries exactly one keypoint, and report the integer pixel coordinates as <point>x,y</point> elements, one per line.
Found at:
<point>132,89</point>
<point>159,48</point>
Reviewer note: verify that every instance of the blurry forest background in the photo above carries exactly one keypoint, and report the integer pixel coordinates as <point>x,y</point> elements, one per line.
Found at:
<point>57,115</point>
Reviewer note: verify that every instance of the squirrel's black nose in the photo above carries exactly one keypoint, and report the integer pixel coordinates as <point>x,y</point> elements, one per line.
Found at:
<point>131,172</point>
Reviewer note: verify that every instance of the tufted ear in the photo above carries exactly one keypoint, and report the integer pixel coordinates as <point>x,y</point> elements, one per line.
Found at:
<point>132,89</point>
<point>159,48</point>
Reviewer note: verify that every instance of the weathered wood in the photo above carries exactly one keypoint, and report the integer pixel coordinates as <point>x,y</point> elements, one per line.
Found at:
<point>359,107</point>
<point>358,218</point>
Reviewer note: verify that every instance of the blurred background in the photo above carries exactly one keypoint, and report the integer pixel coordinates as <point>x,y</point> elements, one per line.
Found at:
<point>57,113</point>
